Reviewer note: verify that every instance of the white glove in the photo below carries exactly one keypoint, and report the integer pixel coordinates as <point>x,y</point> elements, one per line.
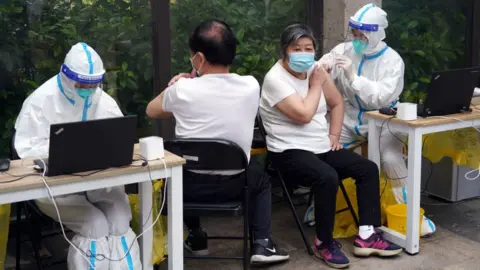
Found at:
<point>326,62</point>
<point>345,63</point>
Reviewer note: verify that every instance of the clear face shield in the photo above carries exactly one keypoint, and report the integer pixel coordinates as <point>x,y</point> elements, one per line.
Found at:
<point>85,85</point>
<point>356,37</point>
<point>356,40</point>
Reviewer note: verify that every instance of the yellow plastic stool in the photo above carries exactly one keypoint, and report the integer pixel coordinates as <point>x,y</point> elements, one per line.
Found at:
<point>397,218</point>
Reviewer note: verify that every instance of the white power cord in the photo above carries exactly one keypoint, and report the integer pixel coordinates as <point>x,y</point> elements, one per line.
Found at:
<point>478,130</point>
<point>52,198</point>
<point>58,214</point>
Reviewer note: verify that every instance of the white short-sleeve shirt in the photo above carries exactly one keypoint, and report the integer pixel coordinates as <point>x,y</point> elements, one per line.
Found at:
<point>219,106</point>
<point>282,133</point>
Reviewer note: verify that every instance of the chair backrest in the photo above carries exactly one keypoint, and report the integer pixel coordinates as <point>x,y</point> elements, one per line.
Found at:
<point>209,154</point>
<point>13,151</point>
<point>261,127</point>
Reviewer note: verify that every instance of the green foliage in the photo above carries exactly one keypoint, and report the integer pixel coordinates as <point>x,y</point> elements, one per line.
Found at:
<point>40,35</point>
<point>429,35</point>
<point>257,24</point>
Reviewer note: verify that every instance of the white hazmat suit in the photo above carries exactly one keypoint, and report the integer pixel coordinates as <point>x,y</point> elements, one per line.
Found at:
<point>99,218</point>
<point>371,80</point>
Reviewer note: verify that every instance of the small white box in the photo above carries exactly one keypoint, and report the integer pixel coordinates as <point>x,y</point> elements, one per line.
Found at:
<point>407,111</point>
<point>151,148</point>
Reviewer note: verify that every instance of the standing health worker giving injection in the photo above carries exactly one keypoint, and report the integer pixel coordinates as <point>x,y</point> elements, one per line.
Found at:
<point>370,76</point>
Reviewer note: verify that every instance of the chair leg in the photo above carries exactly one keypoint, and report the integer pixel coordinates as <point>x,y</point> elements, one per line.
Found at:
<point>34,238</point>
<point>310,198</point>
<point>18,236</point>
<point>294,212</point>
<point>349,203</point>
<point>246,230</point>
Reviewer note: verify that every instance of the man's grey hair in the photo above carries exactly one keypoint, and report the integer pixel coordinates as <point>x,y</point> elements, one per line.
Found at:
<point>292,34</point>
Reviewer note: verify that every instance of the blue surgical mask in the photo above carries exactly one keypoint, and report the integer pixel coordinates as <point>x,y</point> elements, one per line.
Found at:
<point>301,62</point>
<point>85,92</point>
<point>359,46</point>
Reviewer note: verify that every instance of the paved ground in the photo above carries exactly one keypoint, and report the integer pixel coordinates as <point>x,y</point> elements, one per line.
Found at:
<point>456,244</point>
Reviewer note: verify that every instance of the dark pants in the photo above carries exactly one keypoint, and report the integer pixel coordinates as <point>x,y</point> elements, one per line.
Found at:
<point>323,172</point>
<point>204,188</point>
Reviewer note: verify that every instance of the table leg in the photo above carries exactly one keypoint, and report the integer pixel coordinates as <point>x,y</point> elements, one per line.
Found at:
<point>374,155</point>
<point>146,241</point>
<point>175,219</point>
<point>413,190</point>
<point>373,141</point>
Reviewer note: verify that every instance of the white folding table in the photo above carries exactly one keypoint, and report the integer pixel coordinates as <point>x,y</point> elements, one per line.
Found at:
<point>415,130</point>
<point>31,188</point>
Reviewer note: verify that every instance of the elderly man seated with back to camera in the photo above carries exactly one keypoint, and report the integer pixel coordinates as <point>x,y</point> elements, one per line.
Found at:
<point>217,104</point>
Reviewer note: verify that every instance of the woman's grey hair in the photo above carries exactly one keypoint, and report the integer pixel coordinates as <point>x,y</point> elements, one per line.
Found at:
<point>292,34</point>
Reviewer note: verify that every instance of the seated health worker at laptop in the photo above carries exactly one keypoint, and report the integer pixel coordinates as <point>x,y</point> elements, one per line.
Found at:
<point>99,218</point>
<point>218,104</point>
<point>307,151</point>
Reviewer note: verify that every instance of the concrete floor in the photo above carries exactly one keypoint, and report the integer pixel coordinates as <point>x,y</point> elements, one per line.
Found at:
<point>455,245</point>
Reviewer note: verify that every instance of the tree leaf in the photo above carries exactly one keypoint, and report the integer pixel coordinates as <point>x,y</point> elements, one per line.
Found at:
<point>412,24</point>
<point>424,80</point>
<point>419,52</point>
<point>240,34</point>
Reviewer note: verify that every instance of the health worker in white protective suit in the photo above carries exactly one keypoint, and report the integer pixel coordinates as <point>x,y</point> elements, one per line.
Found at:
<point>371,76</point>
<point>99,218</point>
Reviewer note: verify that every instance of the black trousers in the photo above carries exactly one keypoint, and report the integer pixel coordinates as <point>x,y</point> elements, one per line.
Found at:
<point>204,188</point>
<point>323,172</point>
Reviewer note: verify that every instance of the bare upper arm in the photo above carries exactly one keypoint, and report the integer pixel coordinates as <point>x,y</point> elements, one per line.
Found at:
<point>333,97</point>
<point>293,107</point>
<point>156,110</point>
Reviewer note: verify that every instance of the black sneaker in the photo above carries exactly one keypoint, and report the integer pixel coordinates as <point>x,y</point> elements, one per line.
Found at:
<point>267,254</point>
<point>197,243</point>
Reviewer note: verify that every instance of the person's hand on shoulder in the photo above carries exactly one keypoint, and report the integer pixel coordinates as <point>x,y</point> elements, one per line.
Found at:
<point>181,75</point>
<point>334,142</point>
<point>318,77</point>
<point>345,63</point>
<point>327,62</point>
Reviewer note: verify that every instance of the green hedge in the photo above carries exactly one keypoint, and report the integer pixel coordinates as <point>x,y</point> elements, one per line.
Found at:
<point>429,35</point>
<point>37,36</point>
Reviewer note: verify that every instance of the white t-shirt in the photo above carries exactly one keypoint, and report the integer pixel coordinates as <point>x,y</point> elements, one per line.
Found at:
<point>283,133</point>
<point>219,106</point>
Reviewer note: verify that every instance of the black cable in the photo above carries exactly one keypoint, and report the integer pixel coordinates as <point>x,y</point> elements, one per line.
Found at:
<point>423,144</point>
<point>18,177</point>
<point>431,167</point>
<point>88,174</point>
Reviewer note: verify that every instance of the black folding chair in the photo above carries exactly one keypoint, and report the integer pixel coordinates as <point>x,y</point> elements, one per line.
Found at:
<point>287,193</point>
<point>215,154</point>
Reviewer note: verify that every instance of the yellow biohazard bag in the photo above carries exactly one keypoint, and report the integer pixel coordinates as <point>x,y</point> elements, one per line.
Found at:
<point>4,224</point>
<point>344,225</point>
<point>462,145</point>
<point>160,247</point>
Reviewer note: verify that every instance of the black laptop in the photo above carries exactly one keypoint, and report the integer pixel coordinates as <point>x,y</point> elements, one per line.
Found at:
<point>90,145</point>
<point>450,92</point>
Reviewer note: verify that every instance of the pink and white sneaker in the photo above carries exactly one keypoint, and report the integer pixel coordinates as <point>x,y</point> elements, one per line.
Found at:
<point>375,245</point>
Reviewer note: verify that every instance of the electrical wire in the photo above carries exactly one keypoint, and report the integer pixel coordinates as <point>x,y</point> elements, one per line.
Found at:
<point>423,144</point>
<point>52,198</point>
<point>478,130</point>
<point>379,144</point>
<point>18,177</point>
<point>89,253</point>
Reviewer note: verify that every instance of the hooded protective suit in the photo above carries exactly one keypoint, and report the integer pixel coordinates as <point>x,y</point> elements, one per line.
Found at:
<point>376,82</point>
<point>100,218</point>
